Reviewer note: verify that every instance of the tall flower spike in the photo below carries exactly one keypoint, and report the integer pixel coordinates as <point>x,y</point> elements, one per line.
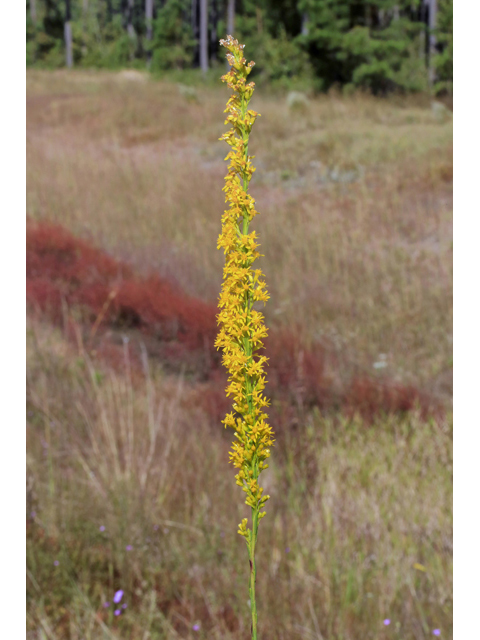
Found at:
<point>241,327</point>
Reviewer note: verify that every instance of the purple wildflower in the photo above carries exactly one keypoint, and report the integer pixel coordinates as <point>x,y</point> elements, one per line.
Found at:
<point>56,563</point>
<point>287,550</point>
<point>436,632</point>
<point>117,612</point>
<point>124,605</point>
<point>155,527</point>
<point>106,604</point>
<point>102,528</point>
<point>129,547</point>
<point>118,596</point>
<point>386,622</point>
<point>196,627</point>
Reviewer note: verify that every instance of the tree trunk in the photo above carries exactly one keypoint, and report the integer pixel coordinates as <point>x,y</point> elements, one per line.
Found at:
<point>149,18</point>
<point>33,11</point>
<point>213,31</point>
<point>305,24</point>
<point>432,24</point>
<point>204,35</point>
<point>195,31</point>
<point>149,26</point>
<point>68,35</point>
<point>381,18</point>
<point>231,17</point>
<point>84,25</point>
<point>130,27</point>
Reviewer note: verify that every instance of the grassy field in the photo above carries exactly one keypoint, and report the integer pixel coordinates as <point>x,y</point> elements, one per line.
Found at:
<point>356,228</point>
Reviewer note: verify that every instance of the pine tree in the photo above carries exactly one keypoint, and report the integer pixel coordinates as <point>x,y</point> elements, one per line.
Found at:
<point>204,35</point>
<point>368,44</point>
<point>68,34</point>
<point>443,59</point>
<point>173,40</point>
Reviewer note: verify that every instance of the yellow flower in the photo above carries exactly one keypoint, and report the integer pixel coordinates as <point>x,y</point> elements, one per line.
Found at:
<point>241,327</point>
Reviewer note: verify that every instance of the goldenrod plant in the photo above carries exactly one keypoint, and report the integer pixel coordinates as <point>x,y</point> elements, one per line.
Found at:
<point>241,326</point>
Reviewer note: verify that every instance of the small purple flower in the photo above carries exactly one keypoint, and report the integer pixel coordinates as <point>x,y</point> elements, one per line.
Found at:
<point>102,528</point>
<point>118,596</point>
<point>56,563</point>
<point>106,604</point>
<point>124,605</point>
<point>196,627</point>
<point>287,550</point>
<point>129,547</point>
<point>386,622</point>
<point>117,612</point>
<point>436,632</point>
<point>155,527</point>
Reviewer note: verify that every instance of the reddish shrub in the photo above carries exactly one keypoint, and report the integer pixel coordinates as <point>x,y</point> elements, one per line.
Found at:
<point>169,314</point>
<point>44,295</point>
<point>296,370</point>
<point>54,253</point>
<point>181,330</point>
<point>369,397</point>
<point>211,398</point>
<point>60,266</point>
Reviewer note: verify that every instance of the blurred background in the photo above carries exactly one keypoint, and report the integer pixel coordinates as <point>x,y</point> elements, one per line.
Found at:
<point>381,45</point>
<point>132,508</point>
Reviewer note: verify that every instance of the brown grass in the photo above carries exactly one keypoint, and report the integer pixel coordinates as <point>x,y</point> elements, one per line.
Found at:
<point>70,280</point>
<point>352,509</point>
<point>365,264</point>
<point>355,196</point>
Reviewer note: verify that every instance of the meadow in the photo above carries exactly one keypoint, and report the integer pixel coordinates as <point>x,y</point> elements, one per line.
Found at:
<point>129,486</point>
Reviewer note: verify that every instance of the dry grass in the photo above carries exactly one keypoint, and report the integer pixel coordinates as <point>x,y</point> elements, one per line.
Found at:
<point>352,510</point>
<point>355,196</point>
<point>366,263</point>
<point>100,303</point>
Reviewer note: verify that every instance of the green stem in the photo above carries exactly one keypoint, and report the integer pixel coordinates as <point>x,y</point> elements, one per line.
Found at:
<point>253,572</point>
<point>247,306</point>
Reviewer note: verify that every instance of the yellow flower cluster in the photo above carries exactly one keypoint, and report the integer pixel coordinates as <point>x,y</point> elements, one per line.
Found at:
<point>241,326</point>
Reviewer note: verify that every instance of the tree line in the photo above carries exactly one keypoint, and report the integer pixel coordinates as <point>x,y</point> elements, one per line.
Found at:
<point>380,45</point>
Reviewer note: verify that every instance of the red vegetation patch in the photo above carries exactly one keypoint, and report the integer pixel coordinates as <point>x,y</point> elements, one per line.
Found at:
<point>368,397</point>
<point>297,373</point>
<point>65,272</point>
<point>62,267</point>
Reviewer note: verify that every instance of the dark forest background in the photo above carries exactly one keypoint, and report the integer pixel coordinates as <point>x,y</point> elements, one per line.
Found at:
<point>378,45</point>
